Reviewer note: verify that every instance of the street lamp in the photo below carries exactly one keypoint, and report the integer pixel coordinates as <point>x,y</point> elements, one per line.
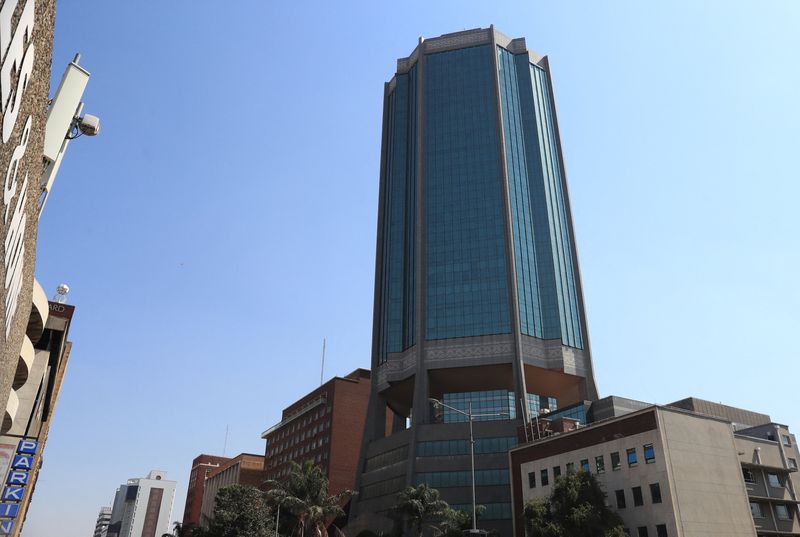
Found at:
<point>438,404</point>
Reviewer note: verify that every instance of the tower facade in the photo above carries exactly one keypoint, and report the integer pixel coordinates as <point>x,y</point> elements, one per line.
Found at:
<point>477,291</point>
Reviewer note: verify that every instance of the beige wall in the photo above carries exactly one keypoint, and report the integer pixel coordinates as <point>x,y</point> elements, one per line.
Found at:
<point>708,489</point>
<point>641,475</point>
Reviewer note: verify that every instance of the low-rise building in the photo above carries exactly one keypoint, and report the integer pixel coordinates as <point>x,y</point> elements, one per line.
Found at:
<point>690,469</point>
<point>244,469</point>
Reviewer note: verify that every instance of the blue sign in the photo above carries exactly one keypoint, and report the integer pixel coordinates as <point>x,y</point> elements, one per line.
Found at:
<point>17,477</point>
<point>22,462</point>
<point>27,446</point>
<point>13,494</point>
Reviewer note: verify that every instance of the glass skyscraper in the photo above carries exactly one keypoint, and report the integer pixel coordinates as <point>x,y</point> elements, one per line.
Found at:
<point>478,294</point>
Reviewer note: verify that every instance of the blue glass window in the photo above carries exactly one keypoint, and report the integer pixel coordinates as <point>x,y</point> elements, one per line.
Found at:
<point>396,331</point>
<point>632,458</point>
<point>467,288</point>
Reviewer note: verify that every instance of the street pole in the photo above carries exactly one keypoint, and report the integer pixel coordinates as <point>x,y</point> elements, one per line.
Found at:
<point>278,521</point>
<point>472,457</point>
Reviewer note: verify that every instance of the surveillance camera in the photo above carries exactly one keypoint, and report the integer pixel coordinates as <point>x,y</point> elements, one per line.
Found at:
<point>89,125</point>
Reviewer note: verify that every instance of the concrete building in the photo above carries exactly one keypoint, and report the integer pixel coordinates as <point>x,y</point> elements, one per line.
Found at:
<point>143,507</point>
<point>324,426</point>
<point>669,471</point>
<point>35,392</point>
<point>103,520</point>
<point>202,465</point>
<point>478,295</point>
<point>244,469</point>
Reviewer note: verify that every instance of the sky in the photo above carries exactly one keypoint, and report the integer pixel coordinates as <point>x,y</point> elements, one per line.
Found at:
<point>223,222</point>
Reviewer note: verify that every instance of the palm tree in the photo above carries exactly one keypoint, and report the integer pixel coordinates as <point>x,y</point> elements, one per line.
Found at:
<point>305,496</point>
<point>419,504</point>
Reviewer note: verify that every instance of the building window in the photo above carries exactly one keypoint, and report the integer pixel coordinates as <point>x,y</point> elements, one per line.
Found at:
<point>787,440</point>
<point>792,463</point>
<point>774,480</point>
<point>642,531</point>
<point>661,530</point>
<point>620,499</point>
<point>615,462</point>
<point>782,512</point>
<point>585,465</point>
<point>600,464</point>
<point>755,510</point>
<point>545,479</point>
<point>556,472</point>
<point>649,454</point>
<point>531,480</point>
<point>638,500</point>
<point>570,467</point>
<point>632,459</point>
<point>655,492</point>
<point>749,476</point>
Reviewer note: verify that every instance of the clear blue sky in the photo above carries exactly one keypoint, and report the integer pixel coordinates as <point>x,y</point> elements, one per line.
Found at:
<point>223,222</point>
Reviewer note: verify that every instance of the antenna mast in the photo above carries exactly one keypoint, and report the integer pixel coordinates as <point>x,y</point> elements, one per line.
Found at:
<point>225,446</point>
<point>322,369</point>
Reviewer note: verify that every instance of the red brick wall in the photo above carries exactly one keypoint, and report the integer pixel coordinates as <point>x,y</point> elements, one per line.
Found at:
<point>201,466</point>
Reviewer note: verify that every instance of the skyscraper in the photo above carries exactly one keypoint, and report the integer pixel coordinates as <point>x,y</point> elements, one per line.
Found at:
<point>477,291</point>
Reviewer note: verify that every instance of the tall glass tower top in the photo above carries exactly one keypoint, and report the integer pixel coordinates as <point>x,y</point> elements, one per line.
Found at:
<point>477,289</point>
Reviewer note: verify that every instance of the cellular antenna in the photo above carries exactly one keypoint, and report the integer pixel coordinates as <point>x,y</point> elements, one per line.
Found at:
<point>322,369</point>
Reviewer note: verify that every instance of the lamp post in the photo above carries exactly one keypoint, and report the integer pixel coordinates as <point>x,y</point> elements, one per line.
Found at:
<point>437,404</point>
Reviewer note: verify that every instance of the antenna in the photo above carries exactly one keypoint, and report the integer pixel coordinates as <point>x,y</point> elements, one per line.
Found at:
<point>61,293</point>
<point>322,369</point>
<point>225,446</point>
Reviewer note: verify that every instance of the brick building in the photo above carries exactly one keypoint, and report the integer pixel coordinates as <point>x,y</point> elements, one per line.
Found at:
<point>244,469</point>
<point>325,426</point>
<point>202,466</point>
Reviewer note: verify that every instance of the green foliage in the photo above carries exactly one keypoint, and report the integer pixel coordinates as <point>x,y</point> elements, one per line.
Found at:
<point>576,508</point>
<point>454,522</point>
<point>304,496</point>
<point>240,511</point>
<point>420,505</point>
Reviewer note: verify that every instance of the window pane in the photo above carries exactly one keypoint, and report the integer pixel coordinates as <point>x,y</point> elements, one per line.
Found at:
<point>642,531</point>
<point>661,530</point>
<point>774,480</point>
<point>585,465</point>
<point>531,480</point>
<point>556,472</point>
<point>655,492</point>
<point>632,460</point>
<point>600,464</point>
<point>615,462</point>
<point>755,509</point>
<point>649,453</point>
<point>782,512</point>
<point>620,499</point>
<point>637,496</point>
<point>545,480</point>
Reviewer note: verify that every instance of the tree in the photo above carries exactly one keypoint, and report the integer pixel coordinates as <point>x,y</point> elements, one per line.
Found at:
<point>454,522</point>
<point>240,511</point>
<point>419,505</point>
<point>304,495</point>
<point>576,508</point>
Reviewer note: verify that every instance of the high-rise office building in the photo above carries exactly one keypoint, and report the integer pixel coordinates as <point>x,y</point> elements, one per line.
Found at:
<point>142,507</point>
<point>478,296</point>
